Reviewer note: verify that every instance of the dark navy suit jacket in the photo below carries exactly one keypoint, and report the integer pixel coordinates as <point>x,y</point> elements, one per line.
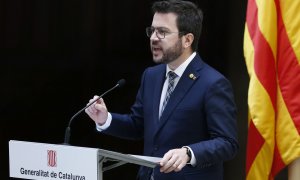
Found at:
<point>201,114</point>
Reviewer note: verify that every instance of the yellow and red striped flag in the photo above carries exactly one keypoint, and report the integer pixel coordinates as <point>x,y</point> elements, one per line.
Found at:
<point>272,54</point>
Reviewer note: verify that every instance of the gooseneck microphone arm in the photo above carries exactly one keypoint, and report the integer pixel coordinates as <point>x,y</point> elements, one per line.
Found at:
<point>120,83</point>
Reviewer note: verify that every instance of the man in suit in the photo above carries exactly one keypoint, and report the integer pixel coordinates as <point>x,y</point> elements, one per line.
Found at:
<point>184,109</point>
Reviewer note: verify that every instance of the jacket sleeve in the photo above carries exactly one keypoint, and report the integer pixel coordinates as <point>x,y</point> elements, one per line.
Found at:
<point>220,112</point>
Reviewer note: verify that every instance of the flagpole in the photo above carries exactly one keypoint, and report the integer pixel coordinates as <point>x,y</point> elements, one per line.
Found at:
<point>294,170</point>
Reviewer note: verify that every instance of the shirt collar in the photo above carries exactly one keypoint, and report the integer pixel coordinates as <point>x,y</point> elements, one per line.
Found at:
<point>180,69</point>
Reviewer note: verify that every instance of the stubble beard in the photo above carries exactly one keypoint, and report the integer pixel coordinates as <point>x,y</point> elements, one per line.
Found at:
<point>171,54</point>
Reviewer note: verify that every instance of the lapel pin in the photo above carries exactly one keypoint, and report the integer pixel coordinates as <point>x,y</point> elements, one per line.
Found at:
<point>192,76</point>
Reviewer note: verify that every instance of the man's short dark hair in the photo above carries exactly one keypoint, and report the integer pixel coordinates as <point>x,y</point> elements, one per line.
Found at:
<point>189,17</point>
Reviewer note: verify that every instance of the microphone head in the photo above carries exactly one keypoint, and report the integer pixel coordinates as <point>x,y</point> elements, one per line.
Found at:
<point>121,82</point>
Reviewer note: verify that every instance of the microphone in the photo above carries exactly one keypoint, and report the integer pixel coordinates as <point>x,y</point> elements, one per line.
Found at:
<point>120,83</point>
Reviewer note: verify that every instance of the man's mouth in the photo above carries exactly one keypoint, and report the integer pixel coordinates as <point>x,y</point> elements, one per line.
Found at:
<point>156,49</point>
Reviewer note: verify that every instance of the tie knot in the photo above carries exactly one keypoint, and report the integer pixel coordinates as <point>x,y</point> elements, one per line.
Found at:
<point>172,75</point>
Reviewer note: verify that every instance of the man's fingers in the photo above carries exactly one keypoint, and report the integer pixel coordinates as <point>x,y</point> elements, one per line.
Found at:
<point>173,160</point>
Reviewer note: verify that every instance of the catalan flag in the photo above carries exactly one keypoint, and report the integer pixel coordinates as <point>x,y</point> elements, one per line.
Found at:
<point>272,55</point>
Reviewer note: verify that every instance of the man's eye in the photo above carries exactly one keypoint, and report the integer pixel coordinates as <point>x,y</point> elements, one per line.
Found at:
<point>161,31</point>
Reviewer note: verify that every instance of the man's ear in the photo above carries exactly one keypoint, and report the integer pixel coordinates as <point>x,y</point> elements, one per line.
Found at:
<point>188,40</point>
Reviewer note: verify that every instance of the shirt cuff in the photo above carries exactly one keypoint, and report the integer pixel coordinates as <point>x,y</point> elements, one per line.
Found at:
<point>105,125</point>
<point>193,161</point>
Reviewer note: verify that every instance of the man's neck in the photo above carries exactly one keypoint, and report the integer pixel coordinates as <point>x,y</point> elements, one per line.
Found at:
<point>181,59</point>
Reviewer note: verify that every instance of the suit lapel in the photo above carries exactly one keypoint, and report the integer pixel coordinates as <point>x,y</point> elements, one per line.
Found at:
<point>188,78</point>
<point>157,92</point>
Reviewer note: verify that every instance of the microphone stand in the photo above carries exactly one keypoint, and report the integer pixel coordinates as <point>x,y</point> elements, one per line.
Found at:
<point>68,129</point>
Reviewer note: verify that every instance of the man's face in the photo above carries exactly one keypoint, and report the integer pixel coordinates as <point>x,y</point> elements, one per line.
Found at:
<point>169,48</point>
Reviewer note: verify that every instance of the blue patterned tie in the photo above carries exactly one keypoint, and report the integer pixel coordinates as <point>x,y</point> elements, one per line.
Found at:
<point>152,175</point>
<point>172,76</point>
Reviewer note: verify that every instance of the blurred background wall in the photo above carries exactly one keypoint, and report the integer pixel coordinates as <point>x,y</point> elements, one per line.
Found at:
<point>56,54</point>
